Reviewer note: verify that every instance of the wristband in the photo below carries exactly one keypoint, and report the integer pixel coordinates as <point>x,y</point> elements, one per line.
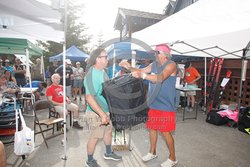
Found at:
<point>144,75</point>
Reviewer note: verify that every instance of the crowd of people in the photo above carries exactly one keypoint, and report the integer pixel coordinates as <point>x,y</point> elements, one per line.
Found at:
<point>162,104</point>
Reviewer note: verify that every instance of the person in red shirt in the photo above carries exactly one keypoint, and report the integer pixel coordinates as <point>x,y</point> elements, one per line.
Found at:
<point>54,94</point>
<point>191,77</point>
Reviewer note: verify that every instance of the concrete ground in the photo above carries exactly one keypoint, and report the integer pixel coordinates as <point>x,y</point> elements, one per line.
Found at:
<point>197,143</point>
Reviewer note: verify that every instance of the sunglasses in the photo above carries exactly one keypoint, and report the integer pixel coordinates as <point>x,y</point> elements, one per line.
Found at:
<point>157,52</point>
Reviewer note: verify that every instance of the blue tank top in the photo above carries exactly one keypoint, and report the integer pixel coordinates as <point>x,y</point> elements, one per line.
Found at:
<point>161,96</point>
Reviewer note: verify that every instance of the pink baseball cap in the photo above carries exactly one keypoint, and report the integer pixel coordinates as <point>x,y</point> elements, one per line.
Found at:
<point>163,47</point>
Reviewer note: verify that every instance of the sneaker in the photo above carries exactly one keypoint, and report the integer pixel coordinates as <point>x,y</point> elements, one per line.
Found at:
<point>92,163</point>
<point>149,157</point>
<point>169,163</point>
<point>187,109</point>
<point>112,156</point>
<point>77,125</point>
<point>191,109</point>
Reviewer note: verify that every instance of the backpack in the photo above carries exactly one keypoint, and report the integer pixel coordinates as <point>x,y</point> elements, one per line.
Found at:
<point>214,118</point>
<point>244,120</point>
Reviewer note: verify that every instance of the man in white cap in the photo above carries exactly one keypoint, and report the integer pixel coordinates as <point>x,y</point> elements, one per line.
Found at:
<point>161,100</point>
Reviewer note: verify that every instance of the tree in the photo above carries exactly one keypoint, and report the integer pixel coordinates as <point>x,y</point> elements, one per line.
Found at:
<point>100,39</point>
<point>75,34</point>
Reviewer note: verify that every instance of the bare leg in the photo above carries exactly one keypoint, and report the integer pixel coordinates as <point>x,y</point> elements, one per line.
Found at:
<point>170,143</point>
<point>108,137</point>
<point>192,100</point>
<point>75,92</point>
<point>80,92</point>
<point>153,135</point>
<point>91,145</point>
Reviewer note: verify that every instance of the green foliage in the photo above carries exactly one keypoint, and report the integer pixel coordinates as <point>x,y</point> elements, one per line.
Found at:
<point>75,34</point>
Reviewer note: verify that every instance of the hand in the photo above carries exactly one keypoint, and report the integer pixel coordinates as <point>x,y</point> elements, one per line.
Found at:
<point>125,64</point>
<point>68,100</point>
<point>137,74</point>
<point>104,120</point>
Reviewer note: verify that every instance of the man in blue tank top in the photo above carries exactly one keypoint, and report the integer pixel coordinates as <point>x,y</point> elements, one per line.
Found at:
<point>161,100</point>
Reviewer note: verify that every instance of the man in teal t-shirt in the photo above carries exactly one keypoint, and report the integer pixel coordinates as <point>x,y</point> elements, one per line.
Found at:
<point>93,84</point>
<point>97,112</point>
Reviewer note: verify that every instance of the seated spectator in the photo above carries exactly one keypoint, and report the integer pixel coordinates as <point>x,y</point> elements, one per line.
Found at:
<point>8,67</point>
<point>9,76</point>
<point>7,89</point>
<point>2,68</point>
<point>55,94</point>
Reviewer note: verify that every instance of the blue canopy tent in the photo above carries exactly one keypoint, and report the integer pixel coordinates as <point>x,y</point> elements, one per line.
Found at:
<point>122,50</point>
<point>72,53</point>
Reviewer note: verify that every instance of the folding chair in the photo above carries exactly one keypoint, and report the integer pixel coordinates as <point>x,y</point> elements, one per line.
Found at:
<point>41,108</point>
<point>55,114</point>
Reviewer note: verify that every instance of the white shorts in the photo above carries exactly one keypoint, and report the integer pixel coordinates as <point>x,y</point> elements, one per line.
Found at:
<point>70,107</point>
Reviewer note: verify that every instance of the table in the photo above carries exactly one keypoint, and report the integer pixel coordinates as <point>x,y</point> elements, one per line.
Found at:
<point>30,92</point>
<point>185,90</point>
<point>27,90</point>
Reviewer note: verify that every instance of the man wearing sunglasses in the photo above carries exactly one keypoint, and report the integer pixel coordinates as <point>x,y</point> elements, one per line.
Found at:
<point>161,100</point>
<point>97,112</point>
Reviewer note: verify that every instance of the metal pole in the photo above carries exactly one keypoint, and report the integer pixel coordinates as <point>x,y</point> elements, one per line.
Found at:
<point>64,82</point>
<point>244,58</point>
<point>205,85</point>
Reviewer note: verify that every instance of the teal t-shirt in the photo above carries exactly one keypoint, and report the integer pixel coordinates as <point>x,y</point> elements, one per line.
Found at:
<point>93,85</point>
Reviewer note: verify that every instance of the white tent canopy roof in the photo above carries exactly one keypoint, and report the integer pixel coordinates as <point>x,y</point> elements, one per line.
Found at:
<point>205,24</point>
<point>30,19</point>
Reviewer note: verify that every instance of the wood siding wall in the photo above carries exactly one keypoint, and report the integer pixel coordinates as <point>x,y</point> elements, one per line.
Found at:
<point>232,89</point>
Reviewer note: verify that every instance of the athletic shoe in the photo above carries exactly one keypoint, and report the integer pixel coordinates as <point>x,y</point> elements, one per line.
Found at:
<point>169,163</point>
<point>77,125</point>
<point>112,156</point>
<point>149,157</point>
<point>92,163</point>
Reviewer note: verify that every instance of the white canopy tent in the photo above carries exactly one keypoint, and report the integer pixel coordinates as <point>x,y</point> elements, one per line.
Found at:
<point>217,27</point>
<point>207,28</point>
<point>30,19</point>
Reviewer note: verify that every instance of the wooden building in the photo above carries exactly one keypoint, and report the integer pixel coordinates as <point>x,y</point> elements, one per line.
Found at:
<point>129,21</point>
<point>232,89</point>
